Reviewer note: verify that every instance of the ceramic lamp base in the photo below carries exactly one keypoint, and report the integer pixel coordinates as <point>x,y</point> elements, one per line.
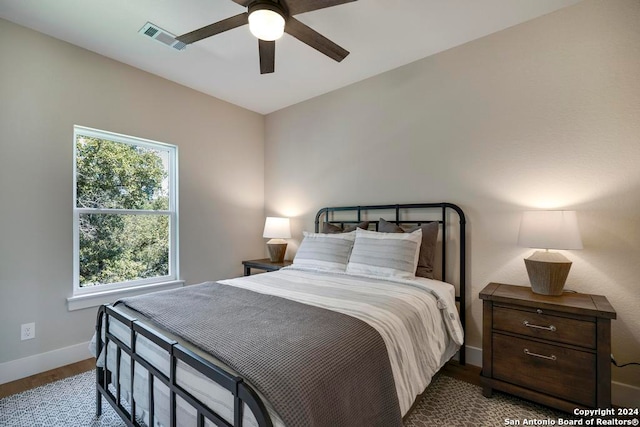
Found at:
<point>276,251</point>
<point>547,272</point>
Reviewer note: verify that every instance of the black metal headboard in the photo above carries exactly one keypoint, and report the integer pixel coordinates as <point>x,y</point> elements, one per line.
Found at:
<point>406,214</point>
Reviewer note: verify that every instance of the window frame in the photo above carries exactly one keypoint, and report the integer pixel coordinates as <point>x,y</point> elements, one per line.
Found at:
<point>172,164</point>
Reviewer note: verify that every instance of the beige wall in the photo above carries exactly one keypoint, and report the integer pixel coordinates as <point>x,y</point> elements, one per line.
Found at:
<point>542,115</point>
<point>47,86</point>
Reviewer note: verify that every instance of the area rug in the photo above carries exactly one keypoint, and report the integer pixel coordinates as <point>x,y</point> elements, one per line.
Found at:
<point>451,402</point>
<point>446,402</point>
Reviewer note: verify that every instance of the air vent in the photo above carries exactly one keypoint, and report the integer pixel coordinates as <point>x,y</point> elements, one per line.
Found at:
<point>161,36</point>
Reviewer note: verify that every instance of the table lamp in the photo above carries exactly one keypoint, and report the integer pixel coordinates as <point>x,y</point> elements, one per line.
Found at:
<point>548,271</point>
<point>277,229</point>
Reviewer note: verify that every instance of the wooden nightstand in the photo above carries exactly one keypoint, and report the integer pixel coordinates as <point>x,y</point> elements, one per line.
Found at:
<point>263,264</point>
<point>554,350</point>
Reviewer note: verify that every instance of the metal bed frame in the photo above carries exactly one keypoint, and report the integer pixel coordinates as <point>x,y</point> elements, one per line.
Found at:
<point>242,392</point>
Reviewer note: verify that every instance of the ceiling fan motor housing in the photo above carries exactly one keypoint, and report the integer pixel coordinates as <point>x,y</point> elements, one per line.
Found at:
<point>275,6</point>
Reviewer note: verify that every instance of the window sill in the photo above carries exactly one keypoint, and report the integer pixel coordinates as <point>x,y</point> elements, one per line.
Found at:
<point>95,299</point>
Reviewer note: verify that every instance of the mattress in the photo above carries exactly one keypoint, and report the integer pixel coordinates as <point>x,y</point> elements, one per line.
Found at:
<point>420,337</point>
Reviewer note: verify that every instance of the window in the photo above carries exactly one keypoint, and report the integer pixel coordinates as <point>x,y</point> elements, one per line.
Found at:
<point>125,212</point>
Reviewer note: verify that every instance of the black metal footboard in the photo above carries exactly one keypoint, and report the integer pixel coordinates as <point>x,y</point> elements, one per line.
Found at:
<point>242,392</point>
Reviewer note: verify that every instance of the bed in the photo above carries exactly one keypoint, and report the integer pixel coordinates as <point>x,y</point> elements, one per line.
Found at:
<point>217,362</point>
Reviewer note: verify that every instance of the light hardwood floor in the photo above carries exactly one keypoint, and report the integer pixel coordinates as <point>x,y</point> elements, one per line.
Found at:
<point>46,377</point>
<point>468,373</point>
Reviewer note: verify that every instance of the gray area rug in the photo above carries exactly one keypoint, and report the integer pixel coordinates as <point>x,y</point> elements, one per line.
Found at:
<point>451,402</point>
<point>447,402</point>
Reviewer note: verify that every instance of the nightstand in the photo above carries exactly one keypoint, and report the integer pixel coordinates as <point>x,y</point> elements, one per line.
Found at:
<point>263,264</point>
<point>554,350</point>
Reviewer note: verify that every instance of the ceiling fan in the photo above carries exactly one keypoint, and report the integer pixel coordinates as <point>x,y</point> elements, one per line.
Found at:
<point>268,20</point>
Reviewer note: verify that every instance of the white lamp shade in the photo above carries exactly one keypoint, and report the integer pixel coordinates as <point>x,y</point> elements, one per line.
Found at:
<point>277,228</point>
<point>266,24</point>
<point>550,230</point>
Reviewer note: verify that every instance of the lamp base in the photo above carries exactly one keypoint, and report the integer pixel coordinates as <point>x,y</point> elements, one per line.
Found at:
<point>276,251</point>
<point>547,272</point>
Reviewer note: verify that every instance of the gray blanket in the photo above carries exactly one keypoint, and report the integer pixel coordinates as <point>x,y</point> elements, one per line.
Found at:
<point>316,367</point>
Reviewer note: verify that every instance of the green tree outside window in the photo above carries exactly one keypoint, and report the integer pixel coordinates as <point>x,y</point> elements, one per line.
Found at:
<point>114,181</point>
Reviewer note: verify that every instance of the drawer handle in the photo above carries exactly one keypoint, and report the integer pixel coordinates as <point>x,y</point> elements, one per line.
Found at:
<point>541,356</point>
<point>546,328</point>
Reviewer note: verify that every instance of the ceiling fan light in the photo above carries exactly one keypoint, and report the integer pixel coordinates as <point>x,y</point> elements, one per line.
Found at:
<point>266,24</point>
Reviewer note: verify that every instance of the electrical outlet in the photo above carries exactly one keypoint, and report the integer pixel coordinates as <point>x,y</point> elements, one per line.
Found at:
<point>27,331</point>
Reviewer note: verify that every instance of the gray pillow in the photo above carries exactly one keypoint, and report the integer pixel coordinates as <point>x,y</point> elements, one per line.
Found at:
<point>329,228</point>
<point>427,248</point>
<point>385,254</point>
<point>323,251</point>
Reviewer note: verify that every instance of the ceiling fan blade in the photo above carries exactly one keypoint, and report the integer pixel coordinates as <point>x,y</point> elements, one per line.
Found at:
<point>216,28</point>
<point>301,6</point>
<point>314,39</point>
<point>244,3</point>
<point>267,56</point>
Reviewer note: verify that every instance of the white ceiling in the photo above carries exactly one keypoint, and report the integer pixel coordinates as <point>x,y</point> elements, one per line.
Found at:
<point>380,34</point>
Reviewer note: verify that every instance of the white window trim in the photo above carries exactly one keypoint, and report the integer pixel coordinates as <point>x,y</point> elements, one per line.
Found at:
<point>91,296</point>
<point>78,302</point>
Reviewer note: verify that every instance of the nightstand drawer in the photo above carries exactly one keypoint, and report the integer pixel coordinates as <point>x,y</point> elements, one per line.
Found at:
<point>555,328</point>
<point>551,369</point>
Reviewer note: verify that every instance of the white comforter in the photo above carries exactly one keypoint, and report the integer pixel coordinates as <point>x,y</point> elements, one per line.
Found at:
<point>419,340</point>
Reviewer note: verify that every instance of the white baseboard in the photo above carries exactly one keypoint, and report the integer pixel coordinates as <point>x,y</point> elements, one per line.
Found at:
<point>27,366</point>
<point>623,395</point>
<point>474,356</point>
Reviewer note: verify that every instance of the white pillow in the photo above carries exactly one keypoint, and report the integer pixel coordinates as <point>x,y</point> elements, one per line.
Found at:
<point>385,254</point>
<point>328,252</point>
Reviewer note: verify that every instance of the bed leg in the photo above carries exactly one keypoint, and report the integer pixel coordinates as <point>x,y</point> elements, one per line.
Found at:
<point>99,377</point>
<point>98,404</point>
